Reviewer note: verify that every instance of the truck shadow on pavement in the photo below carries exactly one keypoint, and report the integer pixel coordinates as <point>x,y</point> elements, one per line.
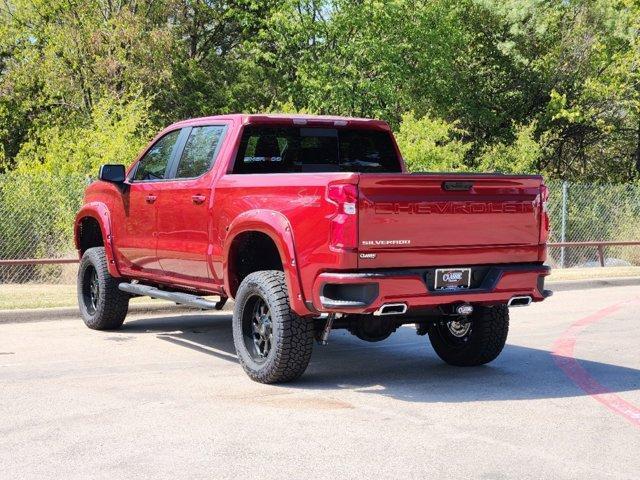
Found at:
<point>403,367</point>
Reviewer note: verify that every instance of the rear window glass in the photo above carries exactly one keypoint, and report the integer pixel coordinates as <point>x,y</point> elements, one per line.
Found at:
<point>299,149</point>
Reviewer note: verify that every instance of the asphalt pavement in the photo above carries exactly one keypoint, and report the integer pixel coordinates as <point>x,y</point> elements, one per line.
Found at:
<point>164,398</point>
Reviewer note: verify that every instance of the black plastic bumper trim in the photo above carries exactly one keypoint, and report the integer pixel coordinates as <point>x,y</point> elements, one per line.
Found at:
<point>492,275</point>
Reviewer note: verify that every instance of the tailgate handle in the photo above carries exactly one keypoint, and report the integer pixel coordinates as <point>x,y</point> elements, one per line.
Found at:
<point>457,186</point>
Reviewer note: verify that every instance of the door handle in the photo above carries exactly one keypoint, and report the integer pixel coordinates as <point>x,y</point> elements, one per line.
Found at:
<point>198,199</point>
<point>151,198</point>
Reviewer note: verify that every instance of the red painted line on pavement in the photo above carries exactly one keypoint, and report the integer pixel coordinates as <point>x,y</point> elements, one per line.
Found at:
<point>564,356</point>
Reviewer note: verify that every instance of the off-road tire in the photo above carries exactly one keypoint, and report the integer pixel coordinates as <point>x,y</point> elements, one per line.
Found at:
<point>291,337</point>
<point>482,344</point>
<point>111,304</point>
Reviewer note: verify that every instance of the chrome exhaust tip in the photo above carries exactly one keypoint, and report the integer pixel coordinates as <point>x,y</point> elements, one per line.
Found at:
<point>519,301</point>
<point>391,309</point>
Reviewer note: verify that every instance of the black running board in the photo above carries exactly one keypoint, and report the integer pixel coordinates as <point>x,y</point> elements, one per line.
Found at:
<point>178,297</point>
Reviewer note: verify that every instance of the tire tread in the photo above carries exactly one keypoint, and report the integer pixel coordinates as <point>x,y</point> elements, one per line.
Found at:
<point>294,347</point>
<point>114,303</point>
<point>488,337</point>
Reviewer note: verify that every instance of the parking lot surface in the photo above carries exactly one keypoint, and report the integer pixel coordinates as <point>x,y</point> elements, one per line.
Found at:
<point>164,398</point>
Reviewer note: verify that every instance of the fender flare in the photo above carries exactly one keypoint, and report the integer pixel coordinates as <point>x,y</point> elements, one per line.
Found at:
<point>100,213</point>
<point>277,227</point>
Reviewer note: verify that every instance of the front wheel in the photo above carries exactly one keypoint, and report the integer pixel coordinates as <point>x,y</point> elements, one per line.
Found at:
<point>273,343</point>
<point>474,341</point>
<point>102,305</point>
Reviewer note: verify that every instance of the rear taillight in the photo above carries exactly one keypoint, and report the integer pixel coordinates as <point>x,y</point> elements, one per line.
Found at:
<point>544,214</point>
<point>344,224</point>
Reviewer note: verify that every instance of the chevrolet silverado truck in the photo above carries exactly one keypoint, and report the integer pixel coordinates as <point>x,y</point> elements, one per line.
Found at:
<point>311,223</point>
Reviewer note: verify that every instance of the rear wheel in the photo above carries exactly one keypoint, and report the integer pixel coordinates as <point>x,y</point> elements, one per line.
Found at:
<point>474,341</point>
<point>273,344</point>
<point>102,305</point>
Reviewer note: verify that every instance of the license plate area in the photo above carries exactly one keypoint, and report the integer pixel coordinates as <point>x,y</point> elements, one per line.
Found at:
<point>452,278</point>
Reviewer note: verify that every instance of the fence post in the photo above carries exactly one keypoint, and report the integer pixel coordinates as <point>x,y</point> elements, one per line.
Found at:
<point>601,255</point>
<point>563,227</point>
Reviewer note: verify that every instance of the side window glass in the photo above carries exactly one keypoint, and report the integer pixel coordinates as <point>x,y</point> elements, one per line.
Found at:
<point>154,163</point>
<point>199,151</point>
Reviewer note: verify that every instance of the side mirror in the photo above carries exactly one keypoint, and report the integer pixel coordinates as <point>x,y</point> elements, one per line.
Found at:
<point>112,173</point>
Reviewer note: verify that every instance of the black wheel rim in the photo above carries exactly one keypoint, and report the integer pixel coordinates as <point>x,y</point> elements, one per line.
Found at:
<point>257,328</point>
<point>91,289</point>
<point>455,333</point>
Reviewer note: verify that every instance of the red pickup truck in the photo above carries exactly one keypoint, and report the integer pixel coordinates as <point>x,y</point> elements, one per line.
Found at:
<point>311,224</point>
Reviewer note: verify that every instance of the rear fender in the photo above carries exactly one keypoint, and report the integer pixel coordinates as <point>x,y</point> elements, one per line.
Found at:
<point>277,227</point>
<point>99,212</point>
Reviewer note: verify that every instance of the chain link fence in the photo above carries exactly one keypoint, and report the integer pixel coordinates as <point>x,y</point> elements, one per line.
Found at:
<point>36,221</point>
<point>37,212</point>
<point>584,212</point>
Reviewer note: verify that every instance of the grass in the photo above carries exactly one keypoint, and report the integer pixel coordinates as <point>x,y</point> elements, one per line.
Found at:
<point>592,273</point>
<point>34,295</point>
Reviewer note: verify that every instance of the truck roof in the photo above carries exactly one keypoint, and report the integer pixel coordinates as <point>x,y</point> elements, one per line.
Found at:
<point>288,119</point>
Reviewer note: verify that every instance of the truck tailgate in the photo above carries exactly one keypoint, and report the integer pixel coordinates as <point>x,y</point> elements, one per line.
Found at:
<point>401,216</point>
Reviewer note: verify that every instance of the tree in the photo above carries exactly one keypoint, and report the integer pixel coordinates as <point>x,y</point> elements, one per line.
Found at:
<point>489,68</point>
<point>431,145</point>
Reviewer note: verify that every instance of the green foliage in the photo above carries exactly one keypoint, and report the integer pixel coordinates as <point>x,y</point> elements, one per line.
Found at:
<point>114,133</point>
<point>586,55</point>
<point>429,144</point>
<point>490,67</point>
<point>521,156</point>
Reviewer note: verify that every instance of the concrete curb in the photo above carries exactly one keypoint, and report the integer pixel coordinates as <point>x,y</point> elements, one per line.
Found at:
<point>585,284</point>
<point>67,313</point>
